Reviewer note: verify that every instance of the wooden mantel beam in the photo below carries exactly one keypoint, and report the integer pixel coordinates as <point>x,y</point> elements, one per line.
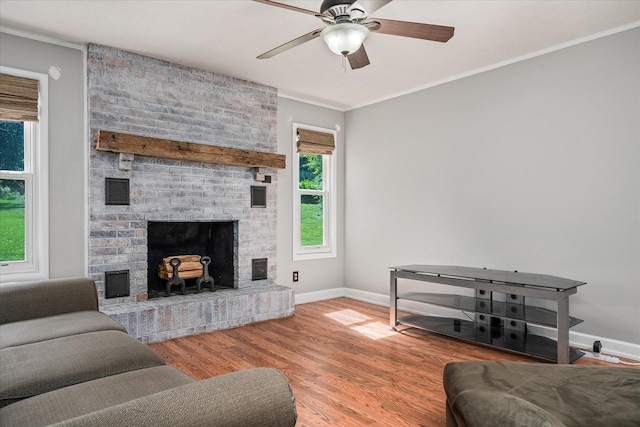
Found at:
<point>156,147</point>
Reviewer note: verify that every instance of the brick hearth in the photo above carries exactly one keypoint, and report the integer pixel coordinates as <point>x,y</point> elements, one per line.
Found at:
<point>161,319</point>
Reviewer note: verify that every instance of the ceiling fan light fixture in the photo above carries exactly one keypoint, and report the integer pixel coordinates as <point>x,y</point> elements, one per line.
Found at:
<point>344,38</point>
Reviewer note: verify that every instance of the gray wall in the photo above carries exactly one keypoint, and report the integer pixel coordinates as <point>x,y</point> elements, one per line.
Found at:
<point>67,165</point>
<point>321,274</point>
<point>532,167</point>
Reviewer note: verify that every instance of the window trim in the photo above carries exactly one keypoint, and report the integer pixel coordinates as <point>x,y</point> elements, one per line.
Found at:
<point>329,249</point>
<point>36,266</point>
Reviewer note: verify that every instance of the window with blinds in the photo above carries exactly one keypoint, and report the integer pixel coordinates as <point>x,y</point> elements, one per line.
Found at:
<point>23,176</point>
<point>314,194</point>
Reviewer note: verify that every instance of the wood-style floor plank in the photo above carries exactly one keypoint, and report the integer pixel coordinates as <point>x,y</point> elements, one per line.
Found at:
<point>345,366</point>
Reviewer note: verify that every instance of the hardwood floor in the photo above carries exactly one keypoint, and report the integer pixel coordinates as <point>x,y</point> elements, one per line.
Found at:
<point>345,366</point>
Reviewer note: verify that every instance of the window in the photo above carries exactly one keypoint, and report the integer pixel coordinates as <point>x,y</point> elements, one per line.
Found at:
<point>314,205</point>
<point>23,176</point>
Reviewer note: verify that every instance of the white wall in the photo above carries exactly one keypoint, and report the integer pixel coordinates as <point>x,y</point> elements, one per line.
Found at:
<point>67,164</point>
<point>314,275</point>
<point>532,167</point>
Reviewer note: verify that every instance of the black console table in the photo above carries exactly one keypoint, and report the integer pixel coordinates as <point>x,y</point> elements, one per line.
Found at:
<point>500,313</point>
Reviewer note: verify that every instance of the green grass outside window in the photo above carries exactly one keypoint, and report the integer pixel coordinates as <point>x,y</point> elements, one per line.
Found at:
<point>12,230</point>
<point>311,222</point>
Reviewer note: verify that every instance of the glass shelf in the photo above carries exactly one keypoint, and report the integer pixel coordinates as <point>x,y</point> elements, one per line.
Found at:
<point>513,278</point>
<point>500,309</point>
<point>520,342</point>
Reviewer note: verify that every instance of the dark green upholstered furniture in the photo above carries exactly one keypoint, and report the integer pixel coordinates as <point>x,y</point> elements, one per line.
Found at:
<point>509,394</point>
<point>62,362</point>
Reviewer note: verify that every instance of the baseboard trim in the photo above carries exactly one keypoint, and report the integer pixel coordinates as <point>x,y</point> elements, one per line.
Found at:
<point>319,295</point>
<point>576,339</point>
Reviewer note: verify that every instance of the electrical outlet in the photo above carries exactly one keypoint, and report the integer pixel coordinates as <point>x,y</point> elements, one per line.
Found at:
<point>295,276</point>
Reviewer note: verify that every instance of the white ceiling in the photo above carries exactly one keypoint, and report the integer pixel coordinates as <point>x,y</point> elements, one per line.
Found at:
<point>225,36</point>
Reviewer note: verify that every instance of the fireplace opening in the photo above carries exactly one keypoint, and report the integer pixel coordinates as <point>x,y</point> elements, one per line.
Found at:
<point>216,240</point>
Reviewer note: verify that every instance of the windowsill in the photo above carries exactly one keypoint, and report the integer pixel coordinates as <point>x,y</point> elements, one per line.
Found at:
<point>22,277</point>
<point>313,255</point>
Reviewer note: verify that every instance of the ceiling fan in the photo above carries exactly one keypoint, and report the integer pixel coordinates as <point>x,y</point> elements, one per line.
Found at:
<point>348,25</point>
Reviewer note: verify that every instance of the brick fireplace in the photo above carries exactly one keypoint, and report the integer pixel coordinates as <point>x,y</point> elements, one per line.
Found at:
<point>139,95</point>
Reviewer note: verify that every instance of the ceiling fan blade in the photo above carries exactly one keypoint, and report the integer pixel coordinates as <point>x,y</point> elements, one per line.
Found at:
<point>358,59</point>
<point>416,30</point>
<point>287,6</point>
<point>290,44</point>
<point>368,6</point>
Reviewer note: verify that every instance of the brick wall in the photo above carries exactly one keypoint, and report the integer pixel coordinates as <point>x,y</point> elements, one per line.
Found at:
<point>139,95</point>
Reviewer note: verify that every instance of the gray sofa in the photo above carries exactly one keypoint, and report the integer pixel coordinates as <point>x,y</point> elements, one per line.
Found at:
<point>63,362</point>
<point>509,394</point>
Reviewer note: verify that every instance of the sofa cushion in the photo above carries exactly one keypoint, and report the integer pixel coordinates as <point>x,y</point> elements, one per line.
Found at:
<point>32,369</point>
<point>84,398</point>
<point>575,395</point>
<point>61,325</point>
<point>482,408</point>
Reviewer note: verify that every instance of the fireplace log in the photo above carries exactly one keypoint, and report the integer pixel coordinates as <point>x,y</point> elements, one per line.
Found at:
<point>183,258</point>
<point>189,268</point>
<point>187,274</point>
<point>185,266</point>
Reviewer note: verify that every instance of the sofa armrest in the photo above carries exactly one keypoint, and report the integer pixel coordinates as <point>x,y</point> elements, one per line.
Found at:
<point>257,396</point>
<point>23,301</point>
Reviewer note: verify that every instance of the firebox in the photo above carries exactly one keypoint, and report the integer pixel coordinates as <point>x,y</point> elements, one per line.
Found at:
<point>216,240</point>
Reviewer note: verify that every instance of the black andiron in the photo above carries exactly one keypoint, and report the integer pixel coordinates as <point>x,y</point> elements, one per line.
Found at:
<point>175,280</point>
<point>205,261</point>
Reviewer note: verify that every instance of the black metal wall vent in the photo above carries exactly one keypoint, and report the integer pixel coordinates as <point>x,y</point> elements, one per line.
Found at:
<point>116,283</point>
<point>116,191</point>
<point>258,197</point>
<point>259,268</point>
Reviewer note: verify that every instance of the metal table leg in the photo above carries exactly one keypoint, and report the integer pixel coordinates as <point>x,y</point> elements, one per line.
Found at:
<point>563,330</point>
<point>393,301</point>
